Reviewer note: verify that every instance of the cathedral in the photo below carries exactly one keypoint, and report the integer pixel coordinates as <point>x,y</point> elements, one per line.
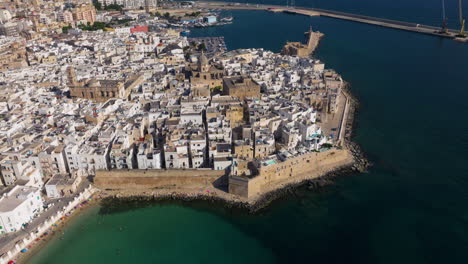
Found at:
<point>204,77</point>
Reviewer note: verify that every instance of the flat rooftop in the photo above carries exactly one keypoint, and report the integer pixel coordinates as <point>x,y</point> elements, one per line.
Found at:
<point>15,198</point>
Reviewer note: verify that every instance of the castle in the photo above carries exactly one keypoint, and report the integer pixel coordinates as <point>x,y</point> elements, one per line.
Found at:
<point>301,49</point>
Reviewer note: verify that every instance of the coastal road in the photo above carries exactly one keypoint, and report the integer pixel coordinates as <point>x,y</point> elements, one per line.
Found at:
<point>9,240</point>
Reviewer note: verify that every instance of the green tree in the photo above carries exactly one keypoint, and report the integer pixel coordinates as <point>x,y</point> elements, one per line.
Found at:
<point>65,29</point>
<point>114,7</point>
<point>94,27</point>
<point>327,145</point>
<point>217,90</point>
<point>97,5</point>
<point>201,47</point>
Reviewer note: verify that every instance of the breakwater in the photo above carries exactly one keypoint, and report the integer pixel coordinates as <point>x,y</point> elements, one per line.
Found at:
<point>361,163</point>
<point>381,22</point>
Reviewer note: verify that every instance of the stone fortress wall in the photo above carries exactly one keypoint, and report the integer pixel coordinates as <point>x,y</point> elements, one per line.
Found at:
<point>269,178</point>
<point>302,167</point>
<point>157,178</point>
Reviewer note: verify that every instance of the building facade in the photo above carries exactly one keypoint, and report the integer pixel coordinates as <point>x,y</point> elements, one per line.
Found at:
<point>241,87</point>
<point>84,14</point>
<point>18,207</point>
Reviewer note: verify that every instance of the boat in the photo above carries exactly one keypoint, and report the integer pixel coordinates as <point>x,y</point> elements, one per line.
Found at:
<point>185,32</point>
<point>227,19</point>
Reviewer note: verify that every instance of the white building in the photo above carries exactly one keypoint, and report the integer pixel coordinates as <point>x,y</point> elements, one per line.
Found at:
<point>148,157</point>
<point>191,117</point>
<point>13,170</point>
<point>87,157</point>
<point>61,185</point>
<point>5,15</point>
<point>133,4</point>
<point>18,207</point>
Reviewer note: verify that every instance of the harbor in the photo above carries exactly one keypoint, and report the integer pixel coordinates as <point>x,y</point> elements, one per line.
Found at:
<point>459,35</point>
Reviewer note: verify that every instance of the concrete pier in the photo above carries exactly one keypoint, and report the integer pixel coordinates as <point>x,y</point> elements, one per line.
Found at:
<point>382,22</point>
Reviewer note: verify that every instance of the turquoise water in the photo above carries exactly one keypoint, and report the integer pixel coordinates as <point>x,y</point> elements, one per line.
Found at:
<point>410,208</point>
<point>147,235</point>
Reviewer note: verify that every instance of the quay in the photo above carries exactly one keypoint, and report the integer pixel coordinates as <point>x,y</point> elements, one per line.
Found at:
<point>382,22</point>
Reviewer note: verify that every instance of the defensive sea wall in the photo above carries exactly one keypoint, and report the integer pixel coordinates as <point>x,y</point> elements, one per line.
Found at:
<point>158,178</point>
<point>293,170</point>
<point>267,179</point>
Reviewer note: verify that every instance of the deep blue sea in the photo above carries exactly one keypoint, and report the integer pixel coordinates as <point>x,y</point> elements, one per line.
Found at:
<point>412,205</point>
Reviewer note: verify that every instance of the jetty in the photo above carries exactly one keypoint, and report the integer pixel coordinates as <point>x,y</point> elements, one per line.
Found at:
<point>382,22</point>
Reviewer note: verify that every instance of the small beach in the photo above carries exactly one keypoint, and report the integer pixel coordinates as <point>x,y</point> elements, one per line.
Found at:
<point>55,231</point>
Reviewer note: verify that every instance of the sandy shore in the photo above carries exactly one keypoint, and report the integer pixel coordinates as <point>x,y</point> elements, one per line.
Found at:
<point>55,231</point>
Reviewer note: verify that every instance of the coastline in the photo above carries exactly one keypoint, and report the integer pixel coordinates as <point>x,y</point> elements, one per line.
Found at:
<point>360,159</point>
<point>252,206</point>
<point>357,162</point>
<point>36,238</point>
<point>315,179</point>
<point>56,230</point>
<point>212,195</point>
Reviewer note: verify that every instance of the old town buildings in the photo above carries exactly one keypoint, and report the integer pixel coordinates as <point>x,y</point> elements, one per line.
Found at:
<point>140,96</point>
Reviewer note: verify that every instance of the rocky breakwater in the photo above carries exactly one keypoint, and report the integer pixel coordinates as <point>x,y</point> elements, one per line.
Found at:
<point>361,163</point>
<point>113,201</point>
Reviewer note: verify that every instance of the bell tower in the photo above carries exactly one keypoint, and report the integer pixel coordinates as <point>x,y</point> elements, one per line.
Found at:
<point>203,65</point>
<point>71,76</point>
